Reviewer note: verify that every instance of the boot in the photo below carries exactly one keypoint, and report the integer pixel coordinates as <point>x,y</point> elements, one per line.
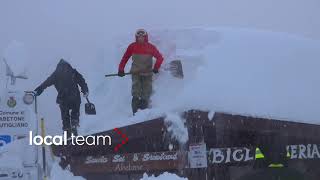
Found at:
<point>135,103</point>
<point>74,126</point>
<point>144,104</point>
<point>74,130</point>
<point>64,162</point>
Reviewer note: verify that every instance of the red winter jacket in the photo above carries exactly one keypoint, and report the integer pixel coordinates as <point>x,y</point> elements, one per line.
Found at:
<point>141,49</point>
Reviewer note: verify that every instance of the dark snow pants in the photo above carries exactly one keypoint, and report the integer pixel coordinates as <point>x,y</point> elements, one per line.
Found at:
<point>70,113</point>
<point>141,92</point>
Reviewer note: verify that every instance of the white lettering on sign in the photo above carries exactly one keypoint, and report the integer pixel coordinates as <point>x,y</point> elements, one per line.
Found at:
<point>92,160</point>
<point>118,158</point>
<point>135,157</point>
<point>229,155</point>
<point>217,156</point>
<point>301,151</point>
<point>122,167</point>
<point>238,155</point>
<point>161,157</point>
<point>247,156</point>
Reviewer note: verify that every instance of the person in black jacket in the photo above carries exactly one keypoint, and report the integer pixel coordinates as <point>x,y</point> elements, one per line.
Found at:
<point>66,81</point>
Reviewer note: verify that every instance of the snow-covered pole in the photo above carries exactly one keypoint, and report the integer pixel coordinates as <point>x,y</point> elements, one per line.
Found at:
<point>37,118</point>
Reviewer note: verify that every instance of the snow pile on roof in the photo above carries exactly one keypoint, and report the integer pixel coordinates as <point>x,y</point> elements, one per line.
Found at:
<point>246,72</point>
<point>177,128</point>
<point>164,176</point>
<point>239,71</point>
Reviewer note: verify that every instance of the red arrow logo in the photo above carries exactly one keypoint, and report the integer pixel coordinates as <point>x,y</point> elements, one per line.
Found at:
<point>124,141</point>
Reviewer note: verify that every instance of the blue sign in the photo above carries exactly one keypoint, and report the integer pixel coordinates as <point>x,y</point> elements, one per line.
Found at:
<point>5,139</point>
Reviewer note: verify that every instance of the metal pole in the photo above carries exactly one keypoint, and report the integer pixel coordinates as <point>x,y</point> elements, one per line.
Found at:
<point>37,122</point>
<point>35,104</point>
<point>44,161</point>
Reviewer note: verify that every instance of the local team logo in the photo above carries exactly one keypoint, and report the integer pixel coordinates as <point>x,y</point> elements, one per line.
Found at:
<point>11,102</point>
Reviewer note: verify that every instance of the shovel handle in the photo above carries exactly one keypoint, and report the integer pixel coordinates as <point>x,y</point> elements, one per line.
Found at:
<point>128,73</point>
<point>111,75</point>
<point>88,100</point>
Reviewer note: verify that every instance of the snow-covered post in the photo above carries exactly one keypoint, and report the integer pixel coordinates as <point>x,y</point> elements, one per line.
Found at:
<point>18,115</point>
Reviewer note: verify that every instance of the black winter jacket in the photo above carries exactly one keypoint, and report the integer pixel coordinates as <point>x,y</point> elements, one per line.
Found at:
<point>66,80</point>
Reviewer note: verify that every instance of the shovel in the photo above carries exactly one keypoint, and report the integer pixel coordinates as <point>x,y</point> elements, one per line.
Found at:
<point>90,108</point>
<point>174,67</point>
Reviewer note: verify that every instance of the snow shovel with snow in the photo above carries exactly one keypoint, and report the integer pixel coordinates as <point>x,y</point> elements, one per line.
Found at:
<point>174,67</point>
<point>90,108</point>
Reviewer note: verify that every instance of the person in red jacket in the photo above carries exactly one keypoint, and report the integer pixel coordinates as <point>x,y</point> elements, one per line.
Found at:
<point>142,69</point>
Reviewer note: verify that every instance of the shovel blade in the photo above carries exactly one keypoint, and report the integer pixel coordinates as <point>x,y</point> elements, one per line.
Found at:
<point>175,68</point>
<point>90,109</point>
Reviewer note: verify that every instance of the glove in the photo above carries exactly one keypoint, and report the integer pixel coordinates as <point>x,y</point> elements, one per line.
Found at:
<point>38,91</point>
<point>121,73</point>
<point>156,71</point>
<point>85,95</point>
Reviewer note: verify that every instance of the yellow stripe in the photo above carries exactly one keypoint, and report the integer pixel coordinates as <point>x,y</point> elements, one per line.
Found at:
<point>276,166</point>
<point>288,155</point>
<point>259,154</point>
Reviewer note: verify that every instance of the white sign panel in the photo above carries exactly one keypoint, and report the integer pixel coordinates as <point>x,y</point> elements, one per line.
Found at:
<point>198,156</point>
<point>14,121</point>
<point>16,117</point>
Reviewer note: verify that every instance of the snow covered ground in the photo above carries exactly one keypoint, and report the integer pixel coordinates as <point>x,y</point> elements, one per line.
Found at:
<point>57,173</point>
<point>164,176</point>
<point>61,174</point>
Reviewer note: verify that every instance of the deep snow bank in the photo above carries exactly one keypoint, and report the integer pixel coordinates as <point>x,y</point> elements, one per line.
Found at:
<point>249,72</point>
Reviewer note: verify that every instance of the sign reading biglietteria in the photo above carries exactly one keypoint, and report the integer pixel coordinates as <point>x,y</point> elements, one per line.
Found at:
<point>244,154</point>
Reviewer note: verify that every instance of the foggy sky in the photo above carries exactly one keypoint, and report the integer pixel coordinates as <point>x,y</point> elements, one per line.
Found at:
<point>43,18</point>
